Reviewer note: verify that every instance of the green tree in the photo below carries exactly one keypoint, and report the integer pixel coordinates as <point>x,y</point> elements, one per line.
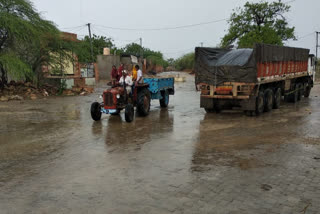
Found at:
<point>259,23</point>
<point>185,62</point>
<point>156,57</point>
<point>24,39</point>
<point>83,47</point>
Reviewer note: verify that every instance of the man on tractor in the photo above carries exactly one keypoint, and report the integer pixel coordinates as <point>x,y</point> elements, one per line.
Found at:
<point>127,80</point>
<point>139,76</point>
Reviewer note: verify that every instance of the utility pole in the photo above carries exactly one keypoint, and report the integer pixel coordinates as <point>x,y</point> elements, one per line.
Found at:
<point>317,43</point>
<point>317,46</point>
<point>201,43</point>
<point>141,50</point>
<point>89,28</point>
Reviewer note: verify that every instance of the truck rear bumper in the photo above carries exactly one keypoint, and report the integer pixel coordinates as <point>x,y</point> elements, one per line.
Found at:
<point>210,102</point>
<point>226,97</point>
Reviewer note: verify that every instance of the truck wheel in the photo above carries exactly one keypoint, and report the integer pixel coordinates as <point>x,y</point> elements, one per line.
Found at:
<point>260,103</point>
<point>294,96</point>
<point>129,113</point>
<point>300,91</point>
<point>268,96</point>
<point>307,91</point>
<point>96,111</point>
<point>143,102</point>
<point>277,98</point>
<point>209,110</point>
<point>165,99</point>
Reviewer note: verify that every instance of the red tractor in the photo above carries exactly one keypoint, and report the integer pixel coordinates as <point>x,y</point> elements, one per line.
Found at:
<point>117,99</point>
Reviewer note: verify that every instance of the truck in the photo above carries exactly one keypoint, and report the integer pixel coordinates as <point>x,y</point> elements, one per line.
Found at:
<point>254,80</point>
<point>116,99</point>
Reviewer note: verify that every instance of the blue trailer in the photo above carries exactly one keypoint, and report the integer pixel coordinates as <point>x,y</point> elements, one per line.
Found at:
<point>117,98</point>
<point>160,89</point>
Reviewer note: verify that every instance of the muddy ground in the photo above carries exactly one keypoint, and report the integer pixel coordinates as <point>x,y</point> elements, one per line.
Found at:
<point>55,159</point>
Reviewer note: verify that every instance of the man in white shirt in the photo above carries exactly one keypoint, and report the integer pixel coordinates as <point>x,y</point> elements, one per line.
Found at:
<point>128,80</point>
<point>139,75</point>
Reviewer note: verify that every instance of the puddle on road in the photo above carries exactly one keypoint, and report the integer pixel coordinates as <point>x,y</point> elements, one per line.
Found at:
<point>183,133</point>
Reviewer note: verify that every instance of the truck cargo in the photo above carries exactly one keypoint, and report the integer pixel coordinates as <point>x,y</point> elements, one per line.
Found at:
<point>253,79</point>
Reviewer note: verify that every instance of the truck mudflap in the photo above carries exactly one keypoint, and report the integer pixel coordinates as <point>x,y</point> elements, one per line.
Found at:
<point>248,104</point>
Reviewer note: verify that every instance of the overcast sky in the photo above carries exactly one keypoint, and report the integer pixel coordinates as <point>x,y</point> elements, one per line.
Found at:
<point>72,15</point>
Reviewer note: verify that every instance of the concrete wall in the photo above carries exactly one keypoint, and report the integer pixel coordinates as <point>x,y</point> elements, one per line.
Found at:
<point>69,83</point>
<point>105,63</point>
<point>90,81</point>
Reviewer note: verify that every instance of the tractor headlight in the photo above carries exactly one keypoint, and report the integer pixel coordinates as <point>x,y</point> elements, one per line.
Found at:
<point>118,96</point>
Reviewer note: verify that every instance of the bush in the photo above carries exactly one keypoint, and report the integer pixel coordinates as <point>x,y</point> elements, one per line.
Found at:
<point>185,62</point>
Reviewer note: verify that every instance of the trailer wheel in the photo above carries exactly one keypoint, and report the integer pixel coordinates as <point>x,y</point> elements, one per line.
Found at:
<point>129,113</point>
<point>260,103</point>
<point>165,99</point>
<point>95,111</point>
<point>307,91</point>
<point>269,97</point>
<point>277,98</point>
<point>143,102</point>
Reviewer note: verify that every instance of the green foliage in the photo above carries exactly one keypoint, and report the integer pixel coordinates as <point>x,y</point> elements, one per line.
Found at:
<point>170,61</point>
<point>26,39</point>
<point>155,56</point>
<point>83,48</point>
<point>259,23</point>
<point>15,66</point>
<point>185,62</point>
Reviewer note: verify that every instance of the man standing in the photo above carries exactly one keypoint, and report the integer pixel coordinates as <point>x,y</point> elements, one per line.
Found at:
<point>120,69</point>
<point>139,76</point>
<point>114,75</point>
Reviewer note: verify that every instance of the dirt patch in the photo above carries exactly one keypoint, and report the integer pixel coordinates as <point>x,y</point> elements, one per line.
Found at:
<point>28,91</point>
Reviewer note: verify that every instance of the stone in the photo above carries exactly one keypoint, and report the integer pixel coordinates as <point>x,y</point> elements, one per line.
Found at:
<point>4,99</point>
<point>15,97</point>
<point>33,97</point>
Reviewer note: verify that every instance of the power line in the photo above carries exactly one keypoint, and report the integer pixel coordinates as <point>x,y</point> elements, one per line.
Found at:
<point>112,37</point>
<point>307,35</point>
<point>80,26</point>
<point>164,28</point>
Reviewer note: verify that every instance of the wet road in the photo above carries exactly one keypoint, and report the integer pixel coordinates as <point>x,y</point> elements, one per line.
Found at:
<point>55,159</point>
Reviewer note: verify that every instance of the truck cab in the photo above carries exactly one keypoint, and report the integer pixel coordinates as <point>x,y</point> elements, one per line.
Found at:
<point>312,66</point>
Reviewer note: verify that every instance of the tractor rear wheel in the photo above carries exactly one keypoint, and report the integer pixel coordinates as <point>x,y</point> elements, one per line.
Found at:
<point>165,99</point>
<point>129,113</point>
<point>143,102</point>
<point>95,111</point>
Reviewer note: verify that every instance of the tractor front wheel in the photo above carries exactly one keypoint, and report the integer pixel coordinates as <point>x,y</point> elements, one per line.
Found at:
<point>96,111</point>
<point>129,113</point>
